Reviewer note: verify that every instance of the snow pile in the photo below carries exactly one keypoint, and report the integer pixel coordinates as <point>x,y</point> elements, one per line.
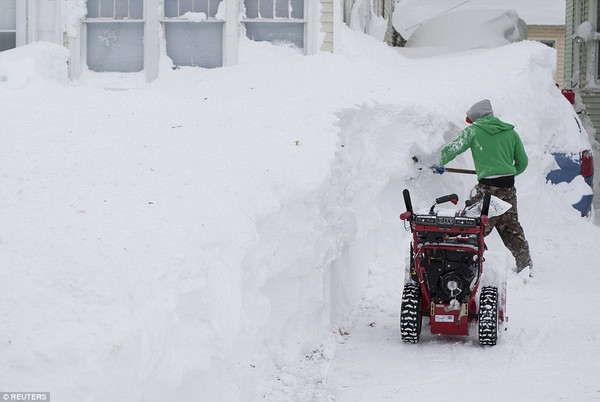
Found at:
<point>38,62</point>
<point>205,236</point>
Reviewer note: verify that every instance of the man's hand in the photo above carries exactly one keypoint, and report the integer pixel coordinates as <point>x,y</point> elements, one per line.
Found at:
<point>438,169</point>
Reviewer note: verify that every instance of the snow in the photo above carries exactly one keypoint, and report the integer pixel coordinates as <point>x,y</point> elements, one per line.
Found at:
<point>409,14</point>
<point>480,29</point>
<point>194,17</point>
<point>232,234</point>
<point>71,14</point>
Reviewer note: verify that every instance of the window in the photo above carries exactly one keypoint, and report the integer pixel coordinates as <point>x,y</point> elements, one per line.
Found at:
<point>275,21</point>
<point>12,24</point>
<point>115,35</point>
<point>549,43</point>
<point>194,32</point>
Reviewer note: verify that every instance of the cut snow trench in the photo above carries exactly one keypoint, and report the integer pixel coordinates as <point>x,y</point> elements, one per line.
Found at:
<point>314,285</point>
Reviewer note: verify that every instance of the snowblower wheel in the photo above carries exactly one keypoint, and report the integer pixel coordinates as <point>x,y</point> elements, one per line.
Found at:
<point>410,313</point>
<point>488,316</point>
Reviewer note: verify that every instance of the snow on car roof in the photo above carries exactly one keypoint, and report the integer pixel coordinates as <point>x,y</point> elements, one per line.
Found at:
<point>533,12</point>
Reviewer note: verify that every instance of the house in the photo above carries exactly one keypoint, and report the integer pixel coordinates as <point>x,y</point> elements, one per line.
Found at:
<point>582,67</point>
<point>133,35</point>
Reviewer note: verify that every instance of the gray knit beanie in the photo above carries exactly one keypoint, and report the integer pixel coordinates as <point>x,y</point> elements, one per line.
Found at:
<point>480,109</point>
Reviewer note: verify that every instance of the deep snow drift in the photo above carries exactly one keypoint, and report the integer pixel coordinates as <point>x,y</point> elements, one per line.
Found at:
<point>211,235</point>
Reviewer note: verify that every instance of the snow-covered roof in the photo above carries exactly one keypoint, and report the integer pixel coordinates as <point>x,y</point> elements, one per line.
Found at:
<point>533,12</point>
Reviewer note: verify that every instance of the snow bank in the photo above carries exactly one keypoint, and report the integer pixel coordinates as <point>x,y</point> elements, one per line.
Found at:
<point>200,238</point>
<point>38,61</point>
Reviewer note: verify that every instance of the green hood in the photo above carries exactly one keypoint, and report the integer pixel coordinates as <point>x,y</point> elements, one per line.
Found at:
<point>493,125</point>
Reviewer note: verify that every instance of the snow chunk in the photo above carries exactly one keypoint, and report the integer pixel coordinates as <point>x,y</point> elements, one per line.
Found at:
<point>194,17</point>
<point>587,32</point>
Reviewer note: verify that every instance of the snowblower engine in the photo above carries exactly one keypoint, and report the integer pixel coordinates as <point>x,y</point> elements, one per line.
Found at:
<point>449,273</point>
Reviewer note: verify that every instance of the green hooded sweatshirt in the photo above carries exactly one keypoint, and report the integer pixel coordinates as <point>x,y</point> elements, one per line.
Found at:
<point>496,148</point>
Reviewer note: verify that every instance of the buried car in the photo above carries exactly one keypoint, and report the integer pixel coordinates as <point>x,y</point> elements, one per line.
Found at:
<point>577,169</point>
<point>572,166</point>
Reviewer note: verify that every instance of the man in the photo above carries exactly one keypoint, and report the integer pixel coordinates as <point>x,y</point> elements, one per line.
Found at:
<point>499,156</point>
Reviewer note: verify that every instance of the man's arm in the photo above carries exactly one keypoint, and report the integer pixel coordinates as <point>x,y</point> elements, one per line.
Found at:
<point>458,146</point>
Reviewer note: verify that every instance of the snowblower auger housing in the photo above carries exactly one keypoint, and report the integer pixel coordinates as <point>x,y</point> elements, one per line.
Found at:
<point>446,266</point>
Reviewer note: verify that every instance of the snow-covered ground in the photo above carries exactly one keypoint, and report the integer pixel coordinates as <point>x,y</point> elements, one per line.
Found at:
<point>233,234</point>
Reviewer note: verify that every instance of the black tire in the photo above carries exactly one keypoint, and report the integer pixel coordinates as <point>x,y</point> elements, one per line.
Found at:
<point>410,313</point>
<point>488,316</point>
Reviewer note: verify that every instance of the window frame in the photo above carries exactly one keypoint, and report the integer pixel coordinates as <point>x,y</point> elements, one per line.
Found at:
<point>282,20</point>
<point>88,21</point>
<point>210,19</point>
<point>20,29</point>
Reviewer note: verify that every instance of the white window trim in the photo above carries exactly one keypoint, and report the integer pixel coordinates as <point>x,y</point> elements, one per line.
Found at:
<point>309,20</point>
<point>21,29</point>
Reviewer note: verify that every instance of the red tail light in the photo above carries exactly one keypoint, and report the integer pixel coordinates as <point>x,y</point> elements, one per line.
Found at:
<point>587,163</point>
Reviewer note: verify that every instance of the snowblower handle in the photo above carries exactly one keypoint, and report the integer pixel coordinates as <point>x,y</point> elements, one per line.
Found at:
<point>450,197</point>
<point>407,201</point>
<point>486,204</point>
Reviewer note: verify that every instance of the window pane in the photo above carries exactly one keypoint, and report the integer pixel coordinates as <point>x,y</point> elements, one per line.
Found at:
<point>107,9</point>
<point>549,43</point>
<point>213,7</point>
<point>115,47</point>
<point>297,8</point>
<point>265,8</point>
<point>137,9</point>
<point>185,6</point>
<point>259,8</point>
<point>133,9</point>
<point>171,8</point>
<point>251,8</point>
<point>121,9</point>
<point>276,32</point>
<point>8,15</point>
<point>195,44</point>
<point>8,40</point>
<point>208,7</point>
<point>93,10</point>
<point>281,8</point>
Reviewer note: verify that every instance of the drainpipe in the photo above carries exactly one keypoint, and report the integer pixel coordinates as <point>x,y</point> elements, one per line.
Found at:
<point>577,43</point>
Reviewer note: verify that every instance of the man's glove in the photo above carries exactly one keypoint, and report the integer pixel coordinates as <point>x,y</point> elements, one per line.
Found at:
<point>438,169</point>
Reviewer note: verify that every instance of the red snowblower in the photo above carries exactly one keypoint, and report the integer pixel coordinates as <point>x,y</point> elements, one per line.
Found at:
<point>445,271</point>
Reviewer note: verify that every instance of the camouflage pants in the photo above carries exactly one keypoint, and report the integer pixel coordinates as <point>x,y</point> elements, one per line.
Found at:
<point>507,224</point>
